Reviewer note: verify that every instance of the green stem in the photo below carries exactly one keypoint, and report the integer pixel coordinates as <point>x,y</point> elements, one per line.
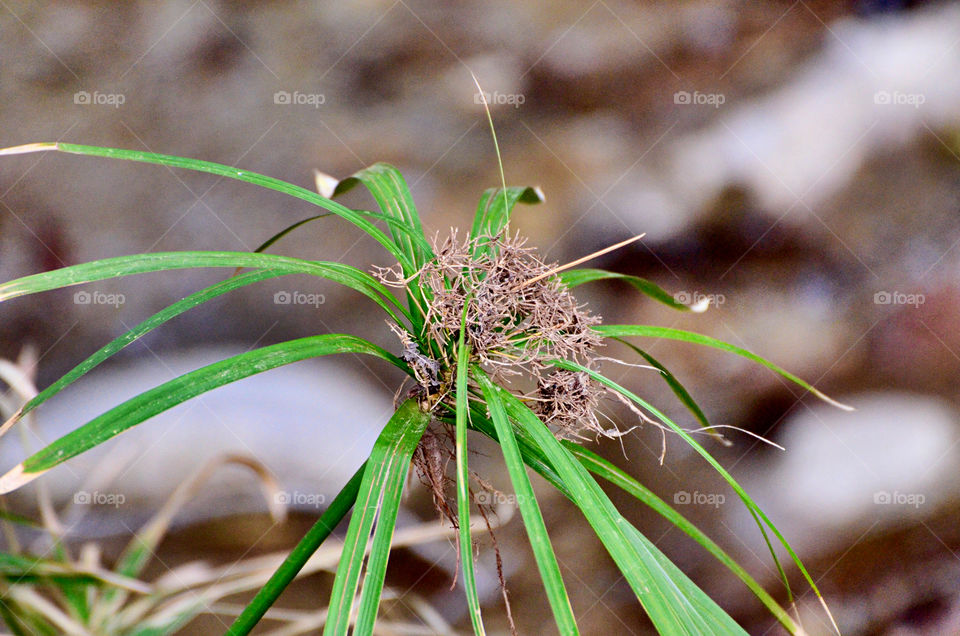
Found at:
<point>289,569</point>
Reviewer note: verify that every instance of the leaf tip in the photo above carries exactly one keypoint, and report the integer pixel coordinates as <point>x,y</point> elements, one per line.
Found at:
<point>10,422</point>
<point>829,400</point>
<point>28,148</point>
<point>326,184</point>
<point>15,478</point>
<point>700,306</point>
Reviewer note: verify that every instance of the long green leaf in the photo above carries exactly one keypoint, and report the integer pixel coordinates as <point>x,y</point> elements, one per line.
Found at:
<point>181,389</point>
<point>163,261</point>
<point>391,193</point>
<point>575,277</point>
<point>463,485</point>
<point>298,557</point>
<point>650,331</point>
<point>616,476</point>
<point>747,500</point>
<point>145,327</point>
<point>674,604</point>
<point>379,493</point>
<point>678,389</point>
<point>390,190</point>
<point>529,509</point>
<point>224,171</point>
<point>534,457</point>
<point>494,209</point>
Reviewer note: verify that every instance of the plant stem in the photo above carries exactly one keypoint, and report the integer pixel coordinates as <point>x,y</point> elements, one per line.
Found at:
<point>298,557</point>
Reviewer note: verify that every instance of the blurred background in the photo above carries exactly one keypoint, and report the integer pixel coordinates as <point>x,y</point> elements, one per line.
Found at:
<point>796,162</point>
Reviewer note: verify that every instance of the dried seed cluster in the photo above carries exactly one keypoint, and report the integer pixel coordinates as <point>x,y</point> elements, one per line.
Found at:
<point>518,317</point>
<point>512,325</point>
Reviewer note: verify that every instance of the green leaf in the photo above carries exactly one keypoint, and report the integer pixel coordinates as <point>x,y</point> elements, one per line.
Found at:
<point>650,331</point>
<point>494,209</point>
<point>379,496</point>
<point>678,389</point>
<point>181,389</point>
<point>463,484</point>
<point>390,190</point>
<point>224,171</point>
<point>163,261</point>
<point>145,327</point>
<point>575,277</point>
<point>603,468</point>
<point>674,604</point>
<point>747,500</point>
<point>391,193</point>
<point>529,509</point>
<point>268,594</point>
<point>534,457</point>
<point>263,247</point>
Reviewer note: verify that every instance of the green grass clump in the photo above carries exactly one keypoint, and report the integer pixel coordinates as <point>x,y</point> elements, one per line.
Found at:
<point>475,318</point>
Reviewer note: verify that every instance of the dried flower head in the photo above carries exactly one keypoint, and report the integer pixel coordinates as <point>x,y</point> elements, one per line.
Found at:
<point>512,325</point>
<point>567,401</point>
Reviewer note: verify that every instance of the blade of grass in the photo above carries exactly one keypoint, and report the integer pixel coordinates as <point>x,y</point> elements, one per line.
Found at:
<point>678,389</point>
<point>268,594</point>
<point>163,261</point>
<point>463,485</point>
<point>748,502</point>
<point>650,331</point>
<point>529,509</point>
<point>674,604</point>
<point>145,327</point>
<point>494,210</point>
<point>575,277</point>
<point>401,453</point>
<point>181,389</point>
<point>392,194</point>
<point>385,471</point>
<point>603,468</point>
<point>223,171</point>
<point>535,459</point>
